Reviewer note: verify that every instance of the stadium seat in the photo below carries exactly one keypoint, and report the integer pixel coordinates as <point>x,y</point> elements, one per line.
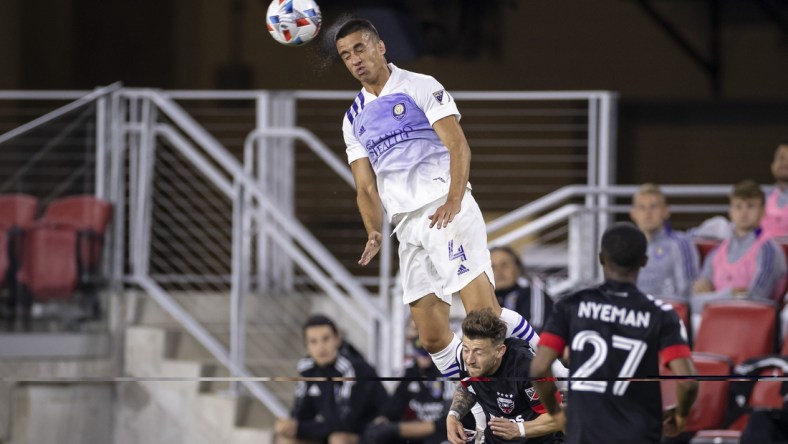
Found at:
<point>705,245</point>
<point>722,325</point>
<point>765,395</point>
<point>16,211</point>
<point>63,251</point>
<point>708,412</point>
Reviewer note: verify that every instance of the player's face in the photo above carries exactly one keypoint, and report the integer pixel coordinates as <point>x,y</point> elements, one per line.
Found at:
<point>322,344</point>
<point>481,356</point>
<point>780,164</point>
<point>746,213</point>
<point>504,269</point>
<point>363,56</point>
<point>649,212</point>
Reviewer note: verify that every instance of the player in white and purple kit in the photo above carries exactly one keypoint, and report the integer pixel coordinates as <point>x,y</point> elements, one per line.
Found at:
<point>409,156</point>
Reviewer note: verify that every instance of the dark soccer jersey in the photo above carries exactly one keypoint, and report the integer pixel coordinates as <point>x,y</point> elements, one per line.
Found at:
<point>508,393</point>
<point>614,331</point>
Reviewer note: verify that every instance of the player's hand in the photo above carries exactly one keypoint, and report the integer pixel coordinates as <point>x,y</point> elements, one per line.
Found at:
<point>286,427</point>
<point>371,249</point>
<point>454,430</point>
<point>672,424</point>
<point>445,213</point>
<point>503,428</point>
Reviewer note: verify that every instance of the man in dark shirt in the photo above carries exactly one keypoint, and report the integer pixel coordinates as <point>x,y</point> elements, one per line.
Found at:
<point>496,376</point>
<point>615,333</point>
<point>415,413</point>
<point>516,292</point>
<point>325,410</point>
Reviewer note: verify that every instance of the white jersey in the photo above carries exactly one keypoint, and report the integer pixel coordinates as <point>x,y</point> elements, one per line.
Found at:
<point>394,130</point>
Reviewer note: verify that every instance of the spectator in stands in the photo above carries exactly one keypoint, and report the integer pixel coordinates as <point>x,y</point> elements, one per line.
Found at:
<point>775,221</point>
<point>673,262</point>
<point>515,292</point>
<point>335,412</point>
<point>748,264</point>
<point>416,412</point>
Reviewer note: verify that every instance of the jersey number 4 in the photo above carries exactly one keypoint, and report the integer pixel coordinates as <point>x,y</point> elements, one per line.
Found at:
<point>635,347</point>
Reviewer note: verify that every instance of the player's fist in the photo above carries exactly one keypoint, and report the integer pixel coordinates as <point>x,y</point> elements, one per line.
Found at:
<point>672,424</point>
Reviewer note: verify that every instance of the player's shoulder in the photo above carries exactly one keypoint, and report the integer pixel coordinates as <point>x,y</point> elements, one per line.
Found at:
<point>306,366</point>
<point>358,104</point>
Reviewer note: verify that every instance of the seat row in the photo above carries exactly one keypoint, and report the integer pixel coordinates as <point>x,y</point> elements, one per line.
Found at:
<point>49,258</point>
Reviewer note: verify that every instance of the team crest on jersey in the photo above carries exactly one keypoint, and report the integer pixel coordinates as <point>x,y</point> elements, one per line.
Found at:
<point>531,393</point>
<point>505,403</point>
<point>438,96</point>
<point>399,111</point>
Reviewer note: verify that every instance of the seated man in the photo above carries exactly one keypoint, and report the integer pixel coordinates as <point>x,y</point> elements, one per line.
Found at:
<point>673,261</point>
<point>515,292</point>
<point>496,376</point>
<point>775,221</point>
<point>335,412</point>
<point>416,412</point>
<point>748,264</point>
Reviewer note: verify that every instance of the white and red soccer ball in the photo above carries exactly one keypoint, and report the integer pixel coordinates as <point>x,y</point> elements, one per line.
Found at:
<point>293,22</point>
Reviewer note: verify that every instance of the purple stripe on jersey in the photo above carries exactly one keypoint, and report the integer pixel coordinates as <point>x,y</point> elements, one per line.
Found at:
<point>686,256</point>
<point>764,271</point>
<point>355,108</point>
<point>452,373</point>
<point>361,99</point>
<point>519,326</point>
<point>349,116</point>
<point>530,336</point>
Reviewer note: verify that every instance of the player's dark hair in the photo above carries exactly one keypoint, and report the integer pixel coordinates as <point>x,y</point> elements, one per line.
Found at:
<point>748,189</point>
<point>483,324</point>
<point>624,245</point>
<point>317,321</point>
<point>355,25</point>
<point>515,257</point>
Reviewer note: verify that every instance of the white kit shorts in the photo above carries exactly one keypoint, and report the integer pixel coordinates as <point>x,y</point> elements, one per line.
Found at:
<point>442,261</point>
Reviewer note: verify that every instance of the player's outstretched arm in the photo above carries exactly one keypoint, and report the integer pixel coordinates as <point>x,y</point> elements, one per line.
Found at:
<point>543,382</point>
<point>460,406</point>
<point>369,206</point>
<point>543,424</point>
<point>451,134</point>
<point>686,392</point>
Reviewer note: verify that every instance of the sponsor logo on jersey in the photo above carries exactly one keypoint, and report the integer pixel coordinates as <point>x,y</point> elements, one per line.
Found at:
<point>414,387</point>
<point>530,392</point>
<point>361,131</point>
<point>399,111</point>
<point>462,270</point>
<point>438,96</point>
<point>314,391</point>
<point>505,403</point>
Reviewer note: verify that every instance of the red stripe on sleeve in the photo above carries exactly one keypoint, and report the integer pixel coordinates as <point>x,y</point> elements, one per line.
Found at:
<point>540,409</point>
<point>674,352</point>
<point>552,341</point>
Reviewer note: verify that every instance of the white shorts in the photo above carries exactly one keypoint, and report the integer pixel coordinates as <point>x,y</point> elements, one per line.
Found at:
<point>442,261</point>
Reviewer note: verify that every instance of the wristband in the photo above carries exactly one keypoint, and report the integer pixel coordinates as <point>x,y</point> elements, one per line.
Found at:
<point>455,414</point>
<point>522,429</point>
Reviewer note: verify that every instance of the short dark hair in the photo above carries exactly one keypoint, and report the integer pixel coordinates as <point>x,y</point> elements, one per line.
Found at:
<point>483,324</point>
<point>355,25</point>
<point>748,189</point>
<point>624,245</point>
<point>508,250</point>
<point>317,321</point>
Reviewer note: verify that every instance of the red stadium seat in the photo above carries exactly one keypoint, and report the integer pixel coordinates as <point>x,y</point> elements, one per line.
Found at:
<point>681,308</point>
<point>723,323</point>
<point>708,412</point>
<point>705,245</point>
<point>16,211</point>
<point>63,249</point>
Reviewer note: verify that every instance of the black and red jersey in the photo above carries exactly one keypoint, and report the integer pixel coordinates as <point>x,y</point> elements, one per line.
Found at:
<point>614,332</point>
<point>508,392</point>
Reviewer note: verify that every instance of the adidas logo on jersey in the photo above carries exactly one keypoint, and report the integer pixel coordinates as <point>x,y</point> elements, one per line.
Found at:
<point>314,391</point>
<point>463,269</point>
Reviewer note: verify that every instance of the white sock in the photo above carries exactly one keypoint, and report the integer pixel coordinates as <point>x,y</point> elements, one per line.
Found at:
<point>447,359</point>
<point>479,416</point>
<point>518,327</point>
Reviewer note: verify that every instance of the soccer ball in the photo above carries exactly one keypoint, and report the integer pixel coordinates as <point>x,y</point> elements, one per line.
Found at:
<point>293,22</point>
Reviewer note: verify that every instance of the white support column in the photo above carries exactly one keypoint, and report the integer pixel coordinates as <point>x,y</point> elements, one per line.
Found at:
<point>261,150</point>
